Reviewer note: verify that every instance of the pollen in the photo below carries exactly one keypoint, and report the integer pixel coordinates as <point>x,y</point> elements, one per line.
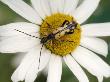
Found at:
<point>65,44</point>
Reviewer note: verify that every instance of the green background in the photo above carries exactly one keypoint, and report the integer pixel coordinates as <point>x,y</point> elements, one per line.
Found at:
<point>102,14</point>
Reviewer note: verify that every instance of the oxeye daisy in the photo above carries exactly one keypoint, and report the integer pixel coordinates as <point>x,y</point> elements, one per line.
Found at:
<point>56,33</point>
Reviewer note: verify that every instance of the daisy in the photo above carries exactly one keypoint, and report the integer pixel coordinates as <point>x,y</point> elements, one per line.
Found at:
<point>56,33</point>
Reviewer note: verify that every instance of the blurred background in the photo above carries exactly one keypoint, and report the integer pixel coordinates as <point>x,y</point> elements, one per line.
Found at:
<point>102,14</point>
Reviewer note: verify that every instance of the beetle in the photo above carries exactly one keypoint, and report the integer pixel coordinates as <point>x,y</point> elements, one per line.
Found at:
<point>66,28</point>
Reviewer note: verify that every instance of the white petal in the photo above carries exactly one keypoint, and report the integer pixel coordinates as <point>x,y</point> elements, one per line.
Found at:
<point>76,69</point>
<point>95,44</point>
<point>94,64</point>
<point>98,29</point>
<point>57,5</point>
<point>45,70</point>
<point>3,37</point>
<point>100,78</point>
<point>20,72</point>
<point>15,62</point>
<point>85,10</point>
<point>70,6</point>
<point>37,65</point>
<point>45,6</point>
<point>9,29</point>
<point>60,5</point>
<point>55,69</point>
<point>37,4</point>
<point>45,57</point>
<point>18,44</point>
<point>20,7</point>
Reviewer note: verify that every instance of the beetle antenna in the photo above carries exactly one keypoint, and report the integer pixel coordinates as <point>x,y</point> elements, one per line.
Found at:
<point>26,34</point>
<point>40,56</point>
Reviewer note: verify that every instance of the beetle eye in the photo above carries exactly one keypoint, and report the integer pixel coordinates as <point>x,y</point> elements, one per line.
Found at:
<point>75,24</point>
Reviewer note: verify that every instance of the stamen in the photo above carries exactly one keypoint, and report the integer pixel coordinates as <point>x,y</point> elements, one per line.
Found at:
<point>48,24</point>
<point>60,34</point>
<point>65,41</point>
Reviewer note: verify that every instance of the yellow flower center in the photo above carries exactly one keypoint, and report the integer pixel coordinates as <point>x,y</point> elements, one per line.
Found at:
<point>57,36</point>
